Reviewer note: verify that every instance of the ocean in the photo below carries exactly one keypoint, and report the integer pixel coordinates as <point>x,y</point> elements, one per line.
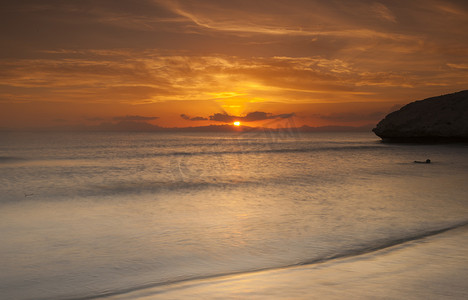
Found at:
<point>89,215</point>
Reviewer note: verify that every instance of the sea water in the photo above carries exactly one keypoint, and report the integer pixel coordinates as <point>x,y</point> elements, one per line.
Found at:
<point>93,214</point>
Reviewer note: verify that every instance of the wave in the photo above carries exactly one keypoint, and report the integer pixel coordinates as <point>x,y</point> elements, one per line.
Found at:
<point>346,254</point>
<point>7,159</point>
<point>165,186</point>
<point>149,155</point>
<point>384,244</point>
<point>254,151</point>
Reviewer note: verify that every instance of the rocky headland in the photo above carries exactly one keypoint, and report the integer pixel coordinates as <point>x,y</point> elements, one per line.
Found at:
<point>437,119</point>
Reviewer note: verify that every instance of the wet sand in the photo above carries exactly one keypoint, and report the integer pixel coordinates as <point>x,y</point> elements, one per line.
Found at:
<point>434,267</point>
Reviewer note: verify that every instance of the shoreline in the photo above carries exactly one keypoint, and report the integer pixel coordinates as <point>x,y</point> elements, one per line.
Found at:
<point>431,267</point>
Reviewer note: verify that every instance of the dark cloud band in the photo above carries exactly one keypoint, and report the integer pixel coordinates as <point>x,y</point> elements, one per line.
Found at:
<point>134,118</point>
<point>250,117</point>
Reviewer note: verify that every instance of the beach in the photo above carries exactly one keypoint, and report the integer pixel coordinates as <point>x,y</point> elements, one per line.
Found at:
<point>433,267</point>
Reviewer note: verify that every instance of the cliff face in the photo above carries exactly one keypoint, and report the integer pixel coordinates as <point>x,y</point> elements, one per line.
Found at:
<point>438,119</point>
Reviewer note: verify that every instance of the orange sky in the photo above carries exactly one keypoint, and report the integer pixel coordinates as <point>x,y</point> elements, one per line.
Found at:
<point>326,62</point>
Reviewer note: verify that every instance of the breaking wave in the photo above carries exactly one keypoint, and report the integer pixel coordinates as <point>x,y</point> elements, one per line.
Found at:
<point>366,249</point>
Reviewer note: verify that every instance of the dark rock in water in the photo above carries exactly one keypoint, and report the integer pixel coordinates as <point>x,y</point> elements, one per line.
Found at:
<point>428,161</point>
<point>438,119</point>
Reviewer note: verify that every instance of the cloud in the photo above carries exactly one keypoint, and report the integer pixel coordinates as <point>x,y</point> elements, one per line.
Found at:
<point>60,120</point>
<point>152,76</point>
<point>383,12</point>
<point>94,119</point>
<point>125,125</point>
<point>311,18</point>
<point>188,118</point>
<point>250,117</point>
<point>458,66</point>
<point>351,116</point>
<point>223,117</point>
<point>134,118</point>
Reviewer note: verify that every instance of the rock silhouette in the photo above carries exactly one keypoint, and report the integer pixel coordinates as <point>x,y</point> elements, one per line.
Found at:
<point>437,119</point>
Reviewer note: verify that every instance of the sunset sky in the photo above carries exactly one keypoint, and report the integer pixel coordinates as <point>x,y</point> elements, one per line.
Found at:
<point>195,63</point>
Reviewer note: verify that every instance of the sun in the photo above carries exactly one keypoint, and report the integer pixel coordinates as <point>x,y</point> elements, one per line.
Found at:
<point>236,123</point>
